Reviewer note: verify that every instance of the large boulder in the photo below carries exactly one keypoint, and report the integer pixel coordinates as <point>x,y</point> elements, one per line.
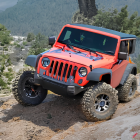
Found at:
<point>87,8</point>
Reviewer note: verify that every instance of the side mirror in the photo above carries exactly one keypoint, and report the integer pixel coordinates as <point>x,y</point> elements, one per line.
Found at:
<point>52,40</point>
<point>122,56</point>
<point>123,47</point>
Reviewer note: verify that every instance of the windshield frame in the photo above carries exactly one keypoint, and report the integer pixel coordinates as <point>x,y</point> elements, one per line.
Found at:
<point>92,31</point>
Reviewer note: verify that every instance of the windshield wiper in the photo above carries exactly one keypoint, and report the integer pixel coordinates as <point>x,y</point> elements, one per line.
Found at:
<point>110,52</point>
<point>92,51</point>
<point>69,46</point>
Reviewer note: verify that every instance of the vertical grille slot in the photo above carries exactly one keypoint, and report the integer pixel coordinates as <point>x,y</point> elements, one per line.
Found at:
<point>65,70</point>
<point>60,69</point>
<point>57,70</point>
<point>55,67</point>
<point>69,71</point>
<point>51,67</point>
<point>74,72</point>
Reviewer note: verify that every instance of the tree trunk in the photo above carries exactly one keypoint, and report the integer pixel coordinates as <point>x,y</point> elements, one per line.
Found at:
<point>87,8</point>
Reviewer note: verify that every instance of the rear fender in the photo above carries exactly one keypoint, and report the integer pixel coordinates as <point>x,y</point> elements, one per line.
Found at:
<point>130,69</point>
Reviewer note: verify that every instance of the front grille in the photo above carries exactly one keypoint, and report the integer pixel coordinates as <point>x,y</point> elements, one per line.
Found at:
<point>61,70</point>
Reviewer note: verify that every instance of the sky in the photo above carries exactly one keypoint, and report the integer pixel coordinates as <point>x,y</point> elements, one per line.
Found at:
<point>4,4</point>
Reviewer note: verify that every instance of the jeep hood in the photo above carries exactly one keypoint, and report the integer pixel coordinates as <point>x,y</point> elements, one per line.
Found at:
<point>81,58</point>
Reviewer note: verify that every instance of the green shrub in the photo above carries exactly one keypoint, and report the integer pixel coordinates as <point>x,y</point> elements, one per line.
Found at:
<point>10,69</point>
<point>6,49</point>
<point>10,79</point>
<point>18,46</point>
<point>8,75</point>
<point>2,68</point>
<point>8,83</point>
<point>2,44</point>
<point>30,37</point>
<point>5,56</point>
<point>2,83</point>
<point>15,43</point>
<point>24,43</point>
<point>39,45</point>
<point>9,61</point>
<point>22,47</point>
<point>1,58</point>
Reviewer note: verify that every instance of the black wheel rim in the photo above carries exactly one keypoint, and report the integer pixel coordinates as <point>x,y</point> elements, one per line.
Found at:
<point>102,103</point>
<point>133,88</point>
<point>30,90</point>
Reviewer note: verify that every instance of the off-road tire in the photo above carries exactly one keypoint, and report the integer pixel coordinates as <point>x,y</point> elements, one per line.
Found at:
<point>18,92</point>
<point>89,98</point>
<point>123,91</point>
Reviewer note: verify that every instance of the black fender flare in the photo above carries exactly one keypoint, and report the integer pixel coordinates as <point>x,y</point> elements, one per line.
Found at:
<point>95,74</point>
<point>130,67</point>
<point>32,60</point>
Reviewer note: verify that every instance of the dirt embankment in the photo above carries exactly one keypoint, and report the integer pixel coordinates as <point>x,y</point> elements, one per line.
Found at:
<point>61,118</point>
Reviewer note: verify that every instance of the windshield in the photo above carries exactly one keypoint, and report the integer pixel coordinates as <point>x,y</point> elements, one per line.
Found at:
<point>88,40</point>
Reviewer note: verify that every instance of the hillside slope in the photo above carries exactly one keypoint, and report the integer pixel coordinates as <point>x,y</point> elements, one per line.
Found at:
<point>48,16</point>
<point>133,5</point>
<point>45,16</point>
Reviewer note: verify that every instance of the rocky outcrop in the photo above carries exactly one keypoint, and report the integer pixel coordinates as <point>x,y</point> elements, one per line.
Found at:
<point>87,8</point>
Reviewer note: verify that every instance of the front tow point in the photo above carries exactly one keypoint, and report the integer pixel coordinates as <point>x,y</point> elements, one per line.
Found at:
<point>71,89</point>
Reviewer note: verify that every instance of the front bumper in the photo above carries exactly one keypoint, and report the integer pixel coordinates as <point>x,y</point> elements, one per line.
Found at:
<point>58,87</point>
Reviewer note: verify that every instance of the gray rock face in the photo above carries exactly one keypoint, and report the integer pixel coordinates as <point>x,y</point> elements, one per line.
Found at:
<point>87,8</point>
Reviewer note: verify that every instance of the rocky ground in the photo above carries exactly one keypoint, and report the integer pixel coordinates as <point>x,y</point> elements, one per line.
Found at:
<point>61,118</point>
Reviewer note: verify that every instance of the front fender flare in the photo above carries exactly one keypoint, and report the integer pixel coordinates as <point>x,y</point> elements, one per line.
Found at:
<point>95,74</point>
<point>32,60</point>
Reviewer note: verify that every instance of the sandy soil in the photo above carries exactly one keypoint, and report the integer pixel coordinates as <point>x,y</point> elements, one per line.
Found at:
<point>61,118</point>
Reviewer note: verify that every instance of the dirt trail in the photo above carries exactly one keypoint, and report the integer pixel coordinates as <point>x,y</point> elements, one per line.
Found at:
<point>61,118</point>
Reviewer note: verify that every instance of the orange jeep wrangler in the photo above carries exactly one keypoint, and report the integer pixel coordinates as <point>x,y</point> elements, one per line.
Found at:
<point>87,60</point>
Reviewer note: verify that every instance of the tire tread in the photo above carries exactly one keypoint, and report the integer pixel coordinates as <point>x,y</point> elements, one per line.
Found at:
<point>86,107</point>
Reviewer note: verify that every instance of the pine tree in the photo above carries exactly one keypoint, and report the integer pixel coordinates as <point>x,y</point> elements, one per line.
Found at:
<point>5,37</point>
<point>39,45</point>
<point>30,37</point>
<point>119,21</point>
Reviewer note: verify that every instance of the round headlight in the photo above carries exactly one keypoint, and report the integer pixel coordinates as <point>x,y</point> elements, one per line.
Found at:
<point>82,72</point>
<point>45,62</point>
